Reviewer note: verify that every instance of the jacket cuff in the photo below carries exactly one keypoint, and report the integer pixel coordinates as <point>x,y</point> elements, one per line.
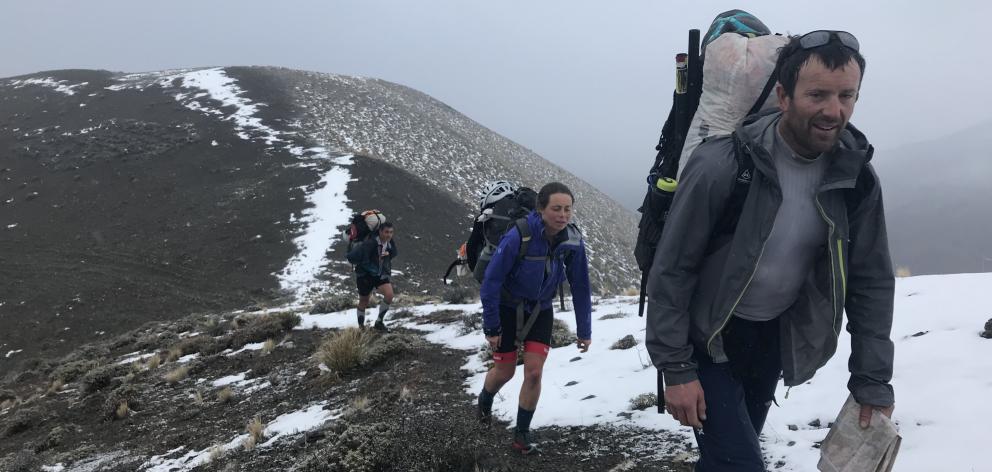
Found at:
<point>679,377</point>
<point>868,392</point>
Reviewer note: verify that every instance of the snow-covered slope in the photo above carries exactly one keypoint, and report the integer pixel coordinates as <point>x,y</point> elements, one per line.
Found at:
<point>376,119</point>
<point>941,378</point>
<point>407,128</point>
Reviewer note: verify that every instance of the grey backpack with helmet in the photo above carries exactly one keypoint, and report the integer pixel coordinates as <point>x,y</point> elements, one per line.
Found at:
<point>501,205</point>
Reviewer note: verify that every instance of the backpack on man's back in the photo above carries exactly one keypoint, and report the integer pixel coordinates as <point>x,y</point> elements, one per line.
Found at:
<point>363,226</point>
<point>738,80</point>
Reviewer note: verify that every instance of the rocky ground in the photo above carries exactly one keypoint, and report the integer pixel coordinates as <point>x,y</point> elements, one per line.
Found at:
<point>402,407</point>
<point>124,211</point>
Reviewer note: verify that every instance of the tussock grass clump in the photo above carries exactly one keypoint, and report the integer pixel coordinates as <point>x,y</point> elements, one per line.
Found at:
<point>56,436</point>
<point>173,354</point>
<point>631,291</point>
<point>192,345</point>
<point>459,295</point>
<point>392,344</point>
<point>903,271</point>
<point>625,342</point>
<point>216,452</point>
<point>334,303</point>
<point>126,393</point>
<point>561,334</point>
<point>213,327</point>
<point>361,404</point>
<point>412,299</point>
<point>644,401</point>
<point>225,395</point>
<point>406,395</point>
<point>153,362</point>
<point>55,386</point>
<point>156,339</point>
<point>177,375</point>
<point>122,410</point>
<point>70,371</point>
<point>444,317</point>
<point>101,377</point>
<point>258,329</point>
<point>401,314</point>
<point>345,350</point>
<point>268,346</point>
<point>471,322</point>
<point>613,316</point>
<point>256,432</point>
<point>198,396</point>
<point>352,348</point>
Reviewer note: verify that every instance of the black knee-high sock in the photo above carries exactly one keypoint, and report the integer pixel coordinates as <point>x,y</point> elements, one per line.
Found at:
<point>486,399</point>
<point>523,419</point>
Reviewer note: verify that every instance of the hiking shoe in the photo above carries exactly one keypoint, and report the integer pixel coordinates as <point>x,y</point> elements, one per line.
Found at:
<point>381,327</point>
<point>361,322</point>
<point>524,443</point>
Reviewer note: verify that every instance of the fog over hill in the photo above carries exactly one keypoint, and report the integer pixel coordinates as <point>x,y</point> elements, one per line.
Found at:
<point>937,195</point>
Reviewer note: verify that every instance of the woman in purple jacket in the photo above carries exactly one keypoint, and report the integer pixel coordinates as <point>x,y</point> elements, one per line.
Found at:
<point>533,259</point>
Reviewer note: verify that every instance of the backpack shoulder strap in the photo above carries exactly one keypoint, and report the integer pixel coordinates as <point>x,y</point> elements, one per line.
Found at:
<point>742,183</point>
<point>525,236</point>
<point>745,165</point>
<point>765,92</point>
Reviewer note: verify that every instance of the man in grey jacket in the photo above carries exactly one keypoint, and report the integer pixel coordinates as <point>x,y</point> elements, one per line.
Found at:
<point>729,314</point>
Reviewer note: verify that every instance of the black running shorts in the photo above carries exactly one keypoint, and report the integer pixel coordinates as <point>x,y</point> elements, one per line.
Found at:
<point>539,333</point>
<point>368,282</point>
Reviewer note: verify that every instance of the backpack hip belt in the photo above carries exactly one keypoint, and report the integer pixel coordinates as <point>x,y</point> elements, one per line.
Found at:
<point>524,324</point>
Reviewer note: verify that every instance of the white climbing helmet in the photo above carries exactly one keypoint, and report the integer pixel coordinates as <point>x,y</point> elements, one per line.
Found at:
<point>493,192</point>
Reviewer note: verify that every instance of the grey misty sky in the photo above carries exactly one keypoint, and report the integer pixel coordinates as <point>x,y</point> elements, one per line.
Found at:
<point>585,84</point>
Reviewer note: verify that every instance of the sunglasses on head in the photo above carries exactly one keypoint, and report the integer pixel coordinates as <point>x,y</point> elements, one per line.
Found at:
<point>818,38</point>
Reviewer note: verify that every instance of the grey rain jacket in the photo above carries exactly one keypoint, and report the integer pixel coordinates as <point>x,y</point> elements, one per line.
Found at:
<point>695,283</point>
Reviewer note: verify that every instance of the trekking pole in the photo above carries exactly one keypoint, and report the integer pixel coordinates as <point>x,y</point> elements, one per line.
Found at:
<point>680,109</point>
<point>695,73</point>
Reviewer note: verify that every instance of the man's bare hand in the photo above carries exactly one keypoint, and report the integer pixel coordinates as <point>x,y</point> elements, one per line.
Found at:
<point>866,410</point>
<point>686,403</point>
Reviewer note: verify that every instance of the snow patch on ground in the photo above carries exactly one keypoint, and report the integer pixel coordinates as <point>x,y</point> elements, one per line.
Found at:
<point>212,91</point>
<point>329,212</point>
<point>61,86</point>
